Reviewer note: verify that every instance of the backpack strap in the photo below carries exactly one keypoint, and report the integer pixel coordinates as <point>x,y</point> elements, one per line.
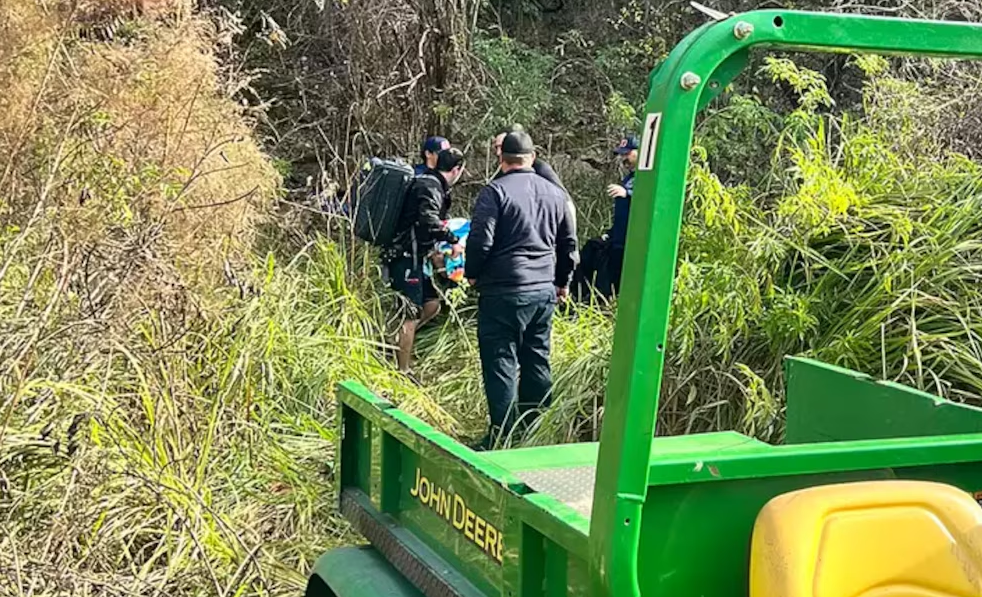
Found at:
<point>399,238</point>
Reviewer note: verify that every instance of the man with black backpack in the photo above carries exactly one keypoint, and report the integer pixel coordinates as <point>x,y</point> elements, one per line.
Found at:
<point>420,228</point>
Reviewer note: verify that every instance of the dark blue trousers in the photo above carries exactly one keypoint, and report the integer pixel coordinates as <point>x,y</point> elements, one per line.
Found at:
<point>514,333</point>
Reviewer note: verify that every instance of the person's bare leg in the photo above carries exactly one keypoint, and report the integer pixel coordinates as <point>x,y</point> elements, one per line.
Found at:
<point>407,337</point>
<point>404,352</point>
<point>430,310</point>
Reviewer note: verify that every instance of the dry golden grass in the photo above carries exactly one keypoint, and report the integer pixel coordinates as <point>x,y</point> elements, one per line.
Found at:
<point>101,10</point>
<point>199,173</point>
<point>27,37</point>
<point>148,170</point>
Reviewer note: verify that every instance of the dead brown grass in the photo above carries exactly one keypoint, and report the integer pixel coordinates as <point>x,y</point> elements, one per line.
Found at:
<point>90,11</point>
<point>128,154</point>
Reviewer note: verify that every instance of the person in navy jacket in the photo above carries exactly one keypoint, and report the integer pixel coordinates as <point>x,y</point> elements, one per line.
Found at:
<point>621,193</point>
<point>520,255</point>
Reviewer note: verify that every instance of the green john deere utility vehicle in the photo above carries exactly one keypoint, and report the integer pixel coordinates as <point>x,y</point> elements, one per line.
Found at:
<point>872,494</point>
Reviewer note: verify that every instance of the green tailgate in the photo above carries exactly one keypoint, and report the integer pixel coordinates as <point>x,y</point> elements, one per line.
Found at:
<point>449,519</point>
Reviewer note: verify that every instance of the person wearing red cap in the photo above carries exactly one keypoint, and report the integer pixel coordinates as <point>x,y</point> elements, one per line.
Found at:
<point>621,193</point>
<point>430,152</point>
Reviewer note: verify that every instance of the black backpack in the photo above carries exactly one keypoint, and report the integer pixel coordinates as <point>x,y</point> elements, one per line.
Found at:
<point>377,200</point>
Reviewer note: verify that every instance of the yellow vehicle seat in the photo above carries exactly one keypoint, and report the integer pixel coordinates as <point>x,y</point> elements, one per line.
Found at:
<point>870,539</point>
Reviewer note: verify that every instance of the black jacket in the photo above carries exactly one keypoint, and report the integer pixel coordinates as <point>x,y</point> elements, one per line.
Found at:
<point>543,169</point>
<point>424,210</point>
<point>522,236</point>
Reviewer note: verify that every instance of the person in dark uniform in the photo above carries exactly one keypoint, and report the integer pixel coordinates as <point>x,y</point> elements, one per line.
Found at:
<point>520,255</point>
<point>420,228</point>
<point>621,194</point>
<point>429,153</point>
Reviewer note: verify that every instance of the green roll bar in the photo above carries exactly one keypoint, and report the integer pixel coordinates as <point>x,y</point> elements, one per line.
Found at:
<point>695,72</point>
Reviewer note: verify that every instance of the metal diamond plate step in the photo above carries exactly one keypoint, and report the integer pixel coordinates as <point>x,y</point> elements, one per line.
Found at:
<point>572,486</point>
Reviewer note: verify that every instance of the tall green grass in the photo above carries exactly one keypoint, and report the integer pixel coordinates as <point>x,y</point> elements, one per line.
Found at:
<point>199,464</point>
<point>854,243</point>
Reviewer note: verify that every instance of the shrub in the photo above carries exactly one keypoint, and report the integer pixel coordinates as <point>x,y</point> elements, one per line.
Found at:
<point>517,86</point>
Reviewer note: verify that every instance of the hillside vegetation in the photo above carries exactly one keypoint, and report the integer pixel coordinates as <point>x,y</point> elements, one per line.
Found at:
<point>174,313</point>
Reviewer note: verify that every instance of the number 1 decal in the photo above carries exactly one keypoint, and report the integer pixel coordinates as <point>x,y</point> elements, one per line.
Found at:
<point>649,143</point>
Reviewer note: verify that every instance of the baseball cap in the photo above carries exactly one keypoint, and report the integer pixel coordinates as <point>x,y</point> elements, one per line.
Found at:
<point>435,145</point>
<point>517,143</point>
<point>627,145</point>
<point>449,159</point>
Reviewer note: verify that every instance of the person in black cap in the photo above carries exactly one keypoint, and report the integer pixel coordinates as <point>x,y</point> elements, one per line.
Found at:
<point>429,153</point>
<point>540,166</point>
<point>420,228</point>
<point>621,194</point>
<point>520,255</point>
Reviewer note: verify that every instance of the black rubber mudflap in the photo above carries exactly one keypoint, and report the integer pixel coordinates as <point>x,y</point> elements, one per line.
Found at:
<point>427,572</point>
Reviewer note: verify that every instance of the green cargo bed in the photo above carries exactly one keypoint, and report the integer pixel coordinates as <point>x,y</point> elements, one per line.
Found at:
<point>568,473</point>
<point>459,522</point>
